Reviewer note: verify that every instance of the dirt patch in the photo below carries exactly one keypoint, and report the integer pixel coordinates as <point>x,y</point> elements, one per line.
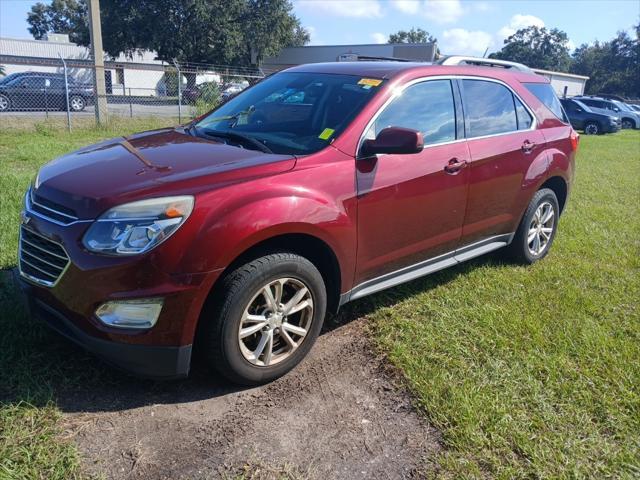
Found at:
<point>337,415</point>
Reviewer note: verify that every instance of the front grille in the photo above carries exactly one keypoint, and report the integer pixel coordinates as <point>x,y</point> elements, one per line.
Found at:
<point>41,260</point>
<point>50,210</point>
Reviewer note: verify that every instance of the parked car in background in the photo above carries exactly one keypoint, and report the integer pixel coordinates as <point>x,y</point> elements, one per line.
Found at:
<point>317,186</point>
<point>43,91</point>
<point>628,117</point>
<point>233,89</point>
<point>584,118</point>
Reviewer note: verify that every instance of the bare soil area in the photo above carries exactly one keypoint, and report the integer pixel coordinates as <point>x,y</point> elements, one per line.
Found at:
<point>338,415</point>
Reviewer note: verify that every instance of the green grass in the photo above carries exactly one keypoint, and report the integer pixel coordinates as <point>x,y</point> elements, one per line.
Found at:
<point>528,372</point>
<point>534,372</point>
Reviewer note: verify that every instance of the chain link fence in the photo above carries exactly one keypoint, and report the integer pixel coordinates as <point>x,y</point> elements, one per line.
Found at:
<point>63,90</point>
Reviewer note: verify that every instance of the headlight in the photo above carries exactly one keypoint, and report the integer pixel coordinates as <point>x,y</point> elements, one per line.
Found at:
<point>137,227</point>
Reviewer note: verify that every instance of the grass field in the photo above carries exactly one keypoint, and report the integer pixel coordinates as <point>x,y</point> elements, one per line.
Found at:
<point>528,372</point>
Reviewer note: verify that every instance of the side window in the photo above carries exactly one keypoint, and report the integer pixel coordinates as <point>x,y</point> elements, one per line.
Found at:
<point>545,93</point>
<point>427,107</point>
<point>33,82</point>
<point>489,108</point>
<point>523,116</point>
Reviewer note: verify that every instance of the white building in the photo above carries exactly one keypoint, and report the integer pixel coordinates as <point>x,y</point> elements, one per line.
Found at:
<point>139,74</point>
<point>565,84</point>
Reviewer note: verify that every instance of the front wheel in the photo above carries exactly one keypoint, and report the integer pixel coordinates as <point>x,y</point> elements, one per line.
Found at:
<point>592,128</point>
<point>537,228</point>
<point>265,318</point>
<point>626,123</point>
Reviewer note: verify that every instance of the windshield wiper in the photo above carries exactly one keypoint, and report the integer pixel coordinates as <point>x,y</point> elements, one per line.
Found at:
<point>238,137</point>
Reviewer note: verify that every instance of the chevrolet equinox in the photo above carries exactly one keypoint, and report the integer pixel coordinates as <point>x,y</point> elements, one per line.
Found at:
<point>319,185</point>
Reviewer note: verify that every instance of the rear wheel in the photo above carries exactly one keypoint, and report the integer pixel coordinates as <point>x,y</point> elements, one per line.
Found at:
<point>77,103</point>
<point>4,103</point>
<point>265,318</point>
<point>537,228</point>
<point>591,128</point>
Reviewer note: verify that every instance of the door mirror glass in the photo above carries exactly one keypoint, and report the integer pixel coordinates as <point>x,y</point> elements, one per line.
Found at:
<point>395,140</point>
<point>47,83</point>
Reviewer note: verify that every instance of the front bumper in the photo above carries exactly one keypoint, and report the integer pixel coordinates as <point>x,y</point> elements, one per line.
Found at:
<point>160,362</point>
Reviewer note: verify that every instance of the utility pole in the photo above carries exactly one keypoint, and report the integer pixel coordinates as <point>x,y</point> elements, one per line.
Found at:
<point>95,31</point>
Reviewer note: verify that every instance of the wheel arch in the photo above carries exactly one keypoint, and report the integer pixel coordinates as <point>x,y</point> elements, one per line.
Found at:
<point>309,246</point>
<point>559,186</point>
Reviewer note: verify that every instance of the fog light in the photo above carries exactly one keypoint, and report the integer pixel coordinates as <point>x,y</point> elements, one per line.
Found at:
<point>140,313</point>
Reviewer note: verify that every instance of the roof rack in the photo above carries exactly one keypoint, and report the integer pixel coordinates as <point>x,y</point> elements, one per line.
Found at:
<point>355,57</point>
<point>485,62</point>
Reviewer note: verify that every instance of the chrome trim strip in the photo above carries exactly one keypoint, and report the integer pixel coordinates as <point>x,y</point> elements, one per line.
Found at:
<point>38,268</point>
<point>33,202</point>
<point>31,278</point>
<point>426,267</point>
<point>400,89</point>
<point>44,250</point>
<point>57,267</point>
<point>27,206</point>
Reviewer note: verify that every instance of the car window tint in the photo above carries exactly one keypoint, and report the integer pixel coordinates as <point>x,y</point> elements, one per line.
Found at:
<point>524,117</point>
<point>545,93</point>
<point>427,107</point>
<point>33,82</point>
<point>489,108</point>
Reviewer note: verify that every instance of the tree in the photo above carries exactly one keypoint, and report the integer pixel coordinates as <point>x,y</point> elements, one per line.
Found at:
<point>537,47</point>
<point>230,32</point>
<point>613,66</point>
<point>415,35</point>
<point>61,16</point>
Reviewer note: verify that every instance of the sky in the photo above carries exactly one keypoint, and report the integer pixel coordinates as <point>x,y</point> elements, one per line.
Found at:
<point>465,27</point>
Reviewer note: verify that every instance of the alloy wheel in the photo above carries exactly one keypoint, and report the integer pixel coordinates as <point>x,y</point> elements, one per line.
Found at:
<point>4,103</point>
<point>77,104</point>
<point>591,129</point>
<point>541,229</point>
<point>627,124</point>
<point>275,322</point>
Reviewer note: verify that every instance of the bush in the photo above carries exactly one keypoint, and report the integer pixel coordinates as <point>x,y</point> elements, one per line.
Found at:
<point>208,99</point>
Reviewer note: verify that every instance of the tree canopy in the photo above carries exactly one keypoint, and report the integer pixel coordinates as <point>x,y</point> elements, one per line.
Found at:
<point>234,32</point>
<point>537,47</point>
<point>415,35</point>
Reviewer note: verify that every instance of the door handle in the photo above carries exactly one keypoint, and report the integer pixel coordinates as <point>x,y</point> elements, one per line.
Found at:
<point>527,146</point>
<point>454,166</point>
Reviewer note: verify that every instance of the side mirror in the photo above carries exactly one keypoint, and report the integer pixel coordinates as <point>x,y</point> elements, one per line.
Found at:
<point>395,140</point>
<point>578,109</point>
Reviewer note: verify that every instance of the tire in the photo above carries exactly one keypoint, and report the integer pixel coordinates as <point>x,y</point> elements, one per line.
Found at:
<point>241,294</point>
<point>592,128</point>
<point>77,103</point>
<point>627,123</point>
<point>523,247</point>
<point>4,103</point>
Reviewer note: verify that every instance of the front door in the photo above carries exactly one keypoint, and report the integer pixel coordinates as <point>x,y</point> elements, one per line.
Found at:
<point>411,207</point>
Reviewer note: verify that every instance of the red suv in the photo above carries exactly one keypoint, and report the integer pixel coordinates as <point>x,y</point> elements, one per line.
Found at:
<point>317,186</point>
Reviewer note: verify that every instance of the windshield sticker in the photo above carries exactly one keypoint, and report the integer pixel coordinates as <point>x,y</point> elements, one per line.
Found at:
<point>326,133</point>
<point>369,82</point>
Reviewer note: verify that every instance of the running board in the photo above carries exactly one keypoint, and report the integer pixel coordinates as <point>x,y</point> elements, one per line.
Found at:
<point>426,267</point>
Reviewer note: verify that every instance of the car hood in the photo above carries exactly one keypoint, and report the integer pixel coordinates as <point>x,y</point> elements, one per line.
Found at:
<point>150,164</point>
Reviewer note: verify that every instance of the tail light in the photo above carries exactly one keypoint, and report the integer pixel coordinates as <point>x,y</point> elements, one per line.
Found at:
<point>574,137</point>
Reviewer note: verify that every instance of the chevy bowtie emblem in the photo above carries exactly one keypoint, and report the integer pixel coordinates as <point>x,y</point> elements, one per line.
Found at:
<point>24,218</point>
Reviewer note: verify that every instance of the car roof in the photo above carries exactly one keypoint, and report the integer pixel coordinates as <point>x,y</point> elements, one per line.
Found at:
<point>387,70</point>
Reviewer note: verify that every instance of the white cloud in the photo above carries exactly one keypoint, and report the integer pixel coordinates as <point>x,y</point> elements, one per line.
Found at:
<point>351,8</point>
<point>438,11</point>
<point>313,35</point>
<point>458,41</point>
<point>378,37</point>
<point>442,11</point>
<point>407,6</point>
<point>517,22</point>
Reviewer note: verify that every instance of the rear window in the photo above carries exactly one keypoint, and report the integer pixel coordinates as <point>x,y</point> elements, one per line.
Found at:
<point>544,92</point>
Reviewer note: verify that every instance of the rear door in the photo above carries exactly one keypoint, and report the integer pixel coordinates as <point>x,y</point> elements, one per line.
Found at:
<point>411,207</point>
<point>503,143</point>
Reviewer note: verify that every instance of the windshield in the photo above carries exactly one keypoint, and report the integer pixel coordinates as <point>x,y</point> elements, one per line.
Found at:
<point>292,113</point>
<point>621,106</point>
